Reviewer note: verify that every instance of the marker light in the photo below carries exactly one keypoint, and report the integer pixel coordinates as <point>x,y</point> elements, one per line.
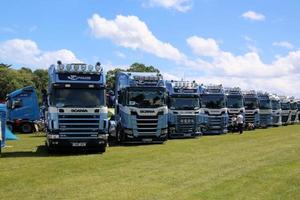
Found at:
<point>61,67</point>
<point>68,67</point>
<point>76,68</point>
<point>90,68</point>
<point>83,67</point>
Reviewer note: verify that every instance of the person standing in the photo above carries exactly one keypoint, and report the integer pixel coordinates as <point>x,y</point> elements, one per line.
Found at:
<point>240,123</point>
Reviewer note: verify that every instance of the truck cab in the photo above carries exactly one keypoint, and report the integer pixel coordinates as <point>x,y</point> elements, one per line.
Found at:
<point>251,108</point>
<point>276,110</point>
<point>285,110</point>
<point>265,109</point>
<point>2,125</point>
<point>76,113</point>
<point>141,112</point>
<point>185,113</point>
<point>23,110</point>
<point>294,110</point>
<point>234,103</point>
<point>213,102</point>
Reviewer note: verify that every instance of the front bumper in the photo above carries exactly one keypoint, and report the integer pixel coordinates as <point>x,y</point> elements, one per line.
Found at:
<point>76,143</point>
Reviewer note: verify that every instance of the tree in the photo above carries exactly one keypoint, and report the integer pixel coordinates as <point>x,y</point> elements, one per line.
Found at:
<point>135,67</point>
<point>40,80</point>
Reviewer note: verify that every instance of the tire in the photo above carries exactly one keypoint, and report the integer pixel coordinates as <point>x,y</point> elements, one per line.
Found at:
<point>26,128</point>
<point>102,149</point>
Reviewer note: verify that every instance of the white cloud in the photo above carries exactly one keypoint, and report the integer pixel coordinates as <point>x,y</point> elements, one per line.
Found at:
<point>251,15</point>
<point>7,30</point>
<point>131,32</point>
<point>283,44</point>
<point>120,54</point>
<point>203,47</point>
<point>179,5</point>
<point>27,52</point>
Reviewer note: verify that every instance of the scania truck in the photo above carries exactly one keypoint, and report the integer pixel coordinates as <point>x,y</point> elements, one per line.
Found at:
<point>285,110</point>
<point>185,114</point>
<point>252,116</point>
<point>265,109</point>
<point>294,110</point>
<point>141,112</point>
<point>76,115</point>
<point>23,110</point>
<point>234,103</point>
<point>276,109</point>
<point>213,102</point>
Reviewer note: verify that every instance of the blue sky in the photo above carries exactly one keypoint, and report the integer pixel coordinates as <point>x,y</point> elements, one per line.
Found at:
<point>251,44</point>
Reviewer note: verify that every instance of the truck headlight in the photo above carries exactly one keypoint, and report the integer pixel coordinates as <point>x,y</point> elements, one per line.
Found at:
<point>102,136</point>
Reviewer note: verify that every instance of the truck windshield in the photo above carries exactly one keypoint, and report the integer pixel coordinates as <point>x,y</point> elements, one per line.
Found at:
<point>75,97</point>
<point>184,103</point>
<point>146,98</point>
<point>275,105</point>
<point>213,101</point>
<point>298,105</point>
<point>285,106</point>
<point>265,104</point>
<point>235,102</point>
<point>293,106</point>
<point>251,103</point>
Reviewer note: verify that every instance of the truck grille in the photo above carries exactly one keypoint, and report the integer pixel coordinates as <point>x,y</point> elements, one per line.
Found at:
<point>276,119</point>
<point>186,124</point>
<point>293,117</point>
<point>78,126</point>
<point>250,118</point>
<point>284,119</point>
<point>216,122</point>
<point>147,125</point>
<point>264,119</point>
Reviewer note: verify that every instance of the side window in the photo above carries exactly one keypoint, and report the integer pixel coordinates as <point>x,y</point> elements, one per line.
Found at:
<point>17,103</point>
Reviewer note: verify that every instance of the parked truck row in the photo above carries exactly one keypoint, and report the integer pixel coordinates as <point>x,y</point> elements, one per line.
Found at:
<point>148,109</point>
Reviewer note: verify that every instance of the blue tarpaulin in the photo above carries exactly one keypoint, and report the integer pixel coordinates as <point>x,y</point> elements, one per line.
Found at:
<point>9,135</point>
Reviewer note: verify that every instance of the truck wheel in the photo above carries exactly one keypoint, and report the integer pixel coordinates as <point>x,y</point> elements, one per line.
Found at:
<point>26,128</point>
<point>102,149</point>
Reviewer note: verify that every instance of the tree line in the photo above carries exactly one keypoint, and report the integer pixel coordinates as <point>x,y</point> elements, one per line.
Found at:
<point>13,79</point>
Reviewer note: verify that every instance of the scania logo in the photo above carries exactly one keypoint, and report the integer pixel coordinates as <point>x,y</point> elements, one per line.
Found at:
<point>79,110</point>
<point>75,77</point>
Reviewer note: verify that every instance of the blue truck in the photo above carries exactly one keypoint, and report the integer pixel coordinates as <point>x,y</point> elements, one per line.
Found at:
<point>185,116</point>
<point>76,113</point>
<point>265,109</point>
<point>252,117</point>
<point>213,102</point>
<point>2,125</point>
<point>141,112</point>
<point>276,110</point>
<point>285,110</point>
<point>23,110</point>
<point>234,103</point>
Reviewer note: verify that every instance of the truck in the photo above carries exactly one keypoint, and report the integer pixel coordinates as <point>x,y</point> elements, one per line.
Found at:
<point>265,109</point>
<point>76,113</point>
<point>234,104</point>
<point>2,125</point>
<point>141,112</point>
<point>185,115</point>
<point>298,110</point>
<point>214,107</point>
<point>285,110</point>
<point>294,110</point>
<point>23,110</point>
<point>276,110</point>
<point>252,117</point>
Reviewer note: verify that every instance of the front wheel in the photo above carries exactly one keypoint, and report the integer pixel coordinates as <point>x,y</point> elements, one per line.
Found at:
<point>26,128</point>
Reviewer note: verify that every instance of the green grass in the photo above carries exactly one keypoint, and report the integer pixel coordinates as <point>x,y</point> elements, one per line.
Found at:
<point>262,164</point>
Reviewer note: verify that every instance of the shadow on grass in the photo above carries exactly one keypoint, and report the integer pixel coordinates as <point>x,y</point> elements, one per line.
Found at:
<point>43,152</point>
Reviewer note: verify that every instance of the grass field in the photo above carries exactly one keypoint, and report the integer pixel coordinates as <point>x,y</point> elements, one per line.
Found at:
<point>262,164</point>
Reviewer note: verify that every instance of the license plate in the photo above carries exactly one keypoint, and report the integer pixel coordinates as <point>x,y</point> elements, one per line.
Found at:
<point>188,135</point>
<point>147,140</point>
<point>78,144</point>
